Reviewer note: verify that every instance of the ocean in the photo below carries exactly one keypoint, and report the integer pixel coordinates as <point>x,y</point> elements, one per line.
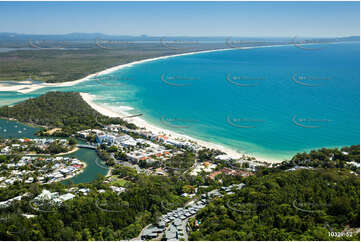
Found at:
<point>268,102</point>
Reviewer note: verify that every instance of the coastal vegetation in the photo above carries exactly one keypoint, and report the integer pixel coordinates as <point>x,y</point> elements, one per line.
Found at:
<point>304,204</point>
<point>77,59</point>
<point>348,156</point>
<point>64,110</point>
<point>98,216</point>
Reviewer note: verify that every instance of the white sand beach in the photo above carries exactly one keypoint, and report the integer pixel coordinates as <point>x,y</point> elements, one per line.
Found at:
<point>141,123</point>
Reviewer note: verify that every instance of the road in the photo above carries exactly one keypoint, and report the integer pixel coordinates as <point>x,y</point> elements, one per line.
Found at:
<point>141,232</point>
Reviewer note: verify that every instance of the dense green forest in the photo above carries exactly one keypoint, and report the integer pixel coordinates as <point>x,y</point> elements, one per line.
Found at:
<point>98,216</point>
<point>283,205</point>
<point>275,204</point>
<point>326,158</point>
<point>65,110</point>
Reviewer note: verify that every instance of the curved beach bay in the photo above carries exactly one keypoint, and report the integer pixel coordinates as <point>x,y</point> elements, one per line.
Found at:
<point>270,102</point>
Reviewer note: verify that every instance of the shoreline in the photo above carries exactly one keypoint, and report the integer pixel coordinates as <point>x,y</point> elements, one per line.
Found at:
<point>74,175</point>
<point>27,88</point>
<point>60,154</point>
<point>109,172</point>
<point>141,123</point>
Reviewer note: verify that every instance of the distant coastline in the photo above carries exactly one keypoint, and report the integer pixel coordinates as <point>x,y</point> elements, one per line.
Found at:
<point>27,87</point>
<point>136,120</point>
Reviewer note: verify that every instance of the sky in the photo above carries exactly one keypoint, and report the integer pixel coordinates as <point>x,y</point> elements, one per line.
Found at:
<point>241,19</point>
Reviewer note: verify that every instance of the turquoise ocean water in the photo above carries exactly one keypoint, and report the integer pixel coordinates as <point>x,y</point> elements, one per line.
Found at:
<point>270,102</point>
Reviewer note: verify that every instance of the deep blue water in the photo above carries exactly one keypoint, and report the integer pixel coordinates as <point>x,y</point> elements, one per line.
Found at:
<point>271,102</point>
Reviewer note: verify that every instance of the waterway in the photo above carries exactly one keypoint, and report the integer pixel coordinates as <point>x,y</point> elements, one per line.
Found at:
<point>13,129</point>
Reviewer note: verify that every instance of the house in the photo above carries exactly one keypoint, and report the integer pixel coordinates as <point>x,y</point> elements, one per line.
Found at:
<point>126,141</point>
<point>30,180</point>
<point>118,190</point>
<point>85,191</point>
<point>178,222</point>
<point>45,195</point>
<point>107,139</point>
<point>5,150</point>
<point>150,233</point>
<point>223,157</point>
<point>66,197</point>
<point>353,163</point>
<point>170,235</point>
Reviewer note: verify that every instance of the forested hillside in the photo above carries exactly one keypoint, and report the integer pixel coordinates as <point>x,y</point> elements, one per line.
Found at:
<point>286,205</point>
<point>98,216</point>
